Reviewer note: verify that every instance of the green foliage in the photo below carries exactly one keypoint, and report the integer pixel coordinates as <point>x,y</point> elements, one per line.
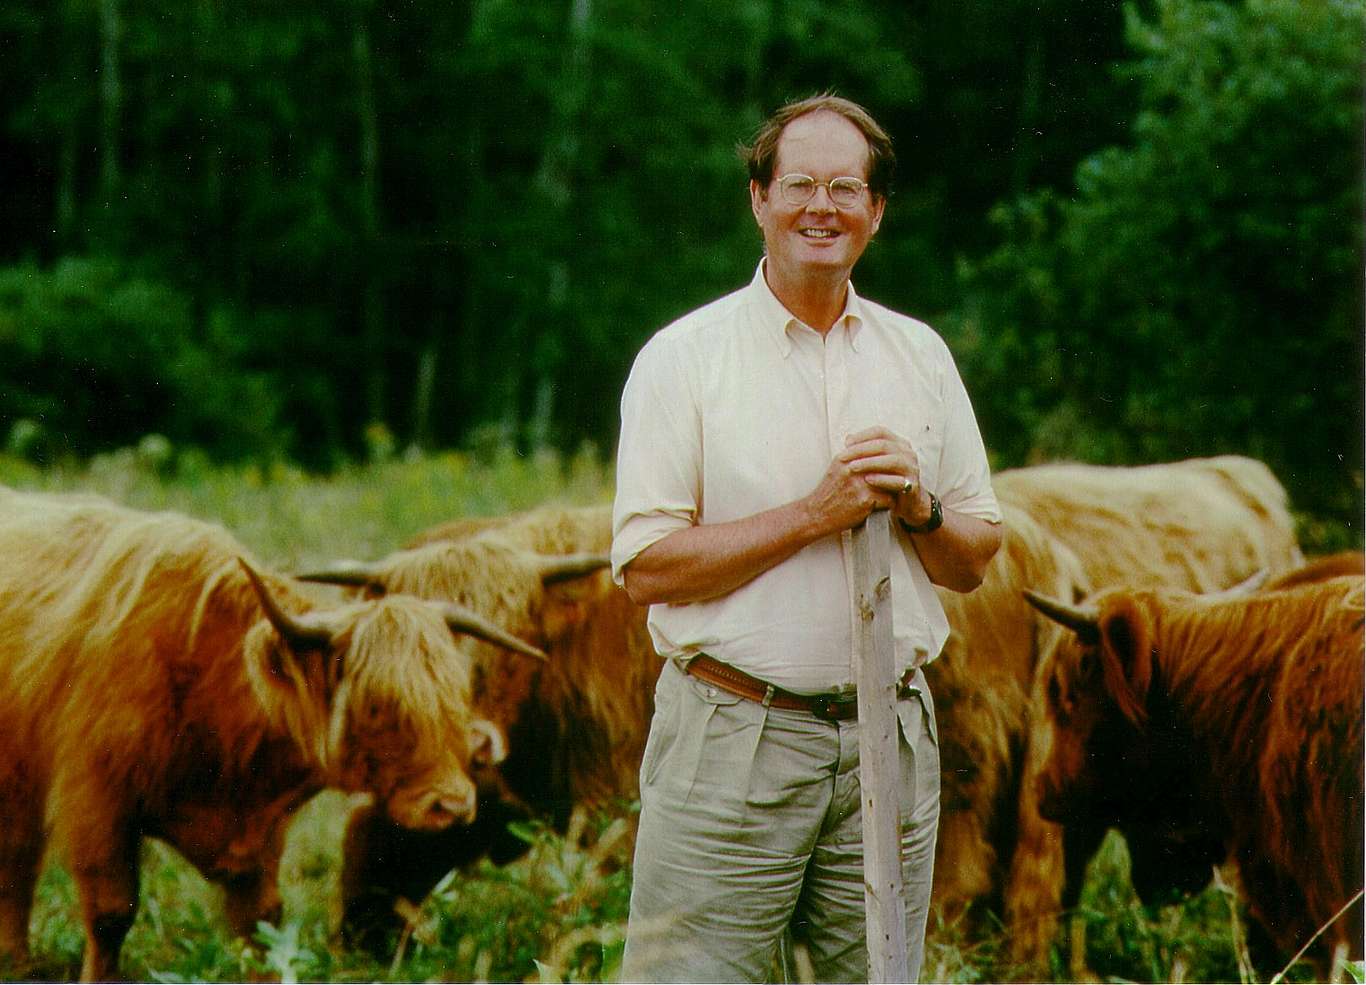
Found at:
<point>1199,290</point>
<point>293,519</point>
<point>90,350</point>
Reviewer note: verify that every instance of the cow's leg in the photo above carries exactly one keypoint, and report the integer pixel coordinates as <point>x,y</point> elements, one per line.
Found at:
<point>19,866</point>
<point>1033,892</point>
<point>103,852</point>
<point>21,853</point>
<point>251,897</point>
<point>252,893</point>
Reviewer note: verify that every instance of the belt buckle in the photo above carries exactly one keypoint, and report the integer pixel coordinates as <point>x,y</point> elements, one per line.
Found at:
<point>826,706</point>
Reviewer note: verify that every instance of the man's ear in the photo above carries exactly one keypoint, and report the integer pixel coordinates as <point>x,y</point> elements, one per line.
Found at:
<point>758,200</point>
<point>879,206</point>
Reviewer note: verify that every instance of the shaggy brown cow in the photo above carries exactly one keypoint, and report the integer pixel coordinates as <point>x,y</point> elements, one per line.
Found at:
<point>981,686</point>
<point>1200,525</point>
<point>576,724</point>
<point>1255,703</point>
<point>154,684</point>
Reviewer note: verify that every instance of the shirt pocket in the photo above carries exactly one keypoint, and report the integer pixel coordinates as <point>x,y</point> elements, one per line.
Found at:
<point>927,439</point>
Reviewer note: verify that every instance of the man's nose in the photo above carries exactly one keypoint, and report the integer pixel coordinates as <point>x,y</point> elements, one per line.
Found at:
<point>821,200</point>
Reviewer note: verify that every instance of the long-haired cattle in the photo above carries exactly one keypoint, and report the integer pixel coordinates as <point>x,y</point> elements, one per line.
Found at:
<point>154,683</point>
<point>981,686</point>
<point>576,724</point>
<point>1244,714</point>
<point>1202,524</point>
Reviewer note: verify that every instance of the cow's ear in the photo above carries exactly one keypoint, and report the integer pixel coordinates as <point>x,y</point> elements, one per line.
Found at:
<point>1126,657</point>
<point>569,602</point>
<point>488,744</point>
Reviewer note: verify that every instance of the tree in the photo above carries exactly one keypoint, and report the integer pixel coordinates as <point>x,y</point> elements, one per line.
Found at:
<point>1199,291</point>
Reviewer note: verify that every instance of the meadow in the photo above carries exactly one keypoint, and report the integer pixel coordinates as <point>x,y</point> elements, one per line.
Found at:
<point>556,914</point>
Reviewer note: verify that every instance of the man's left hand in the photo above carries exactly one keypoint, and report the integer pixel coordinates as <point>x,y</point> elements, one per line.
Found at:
<point>889,463</point>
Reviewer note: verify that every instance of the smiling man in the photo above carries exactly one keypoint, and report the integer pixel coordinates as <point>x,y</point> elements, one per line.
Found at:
<point>756,433</point>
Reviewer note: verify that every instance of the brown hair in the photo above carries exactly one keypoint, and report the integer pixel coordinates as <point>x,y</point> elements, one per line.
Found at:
<point>761,155</point>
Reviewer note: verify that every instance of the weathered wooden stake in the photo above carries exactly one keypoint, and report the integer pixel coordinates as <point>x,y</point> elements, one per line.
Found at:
<point>875,675</point>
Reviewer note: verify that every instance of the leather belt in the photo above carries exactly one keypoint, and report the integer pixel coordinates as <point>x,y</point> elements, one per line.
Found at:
<point>830,707</point>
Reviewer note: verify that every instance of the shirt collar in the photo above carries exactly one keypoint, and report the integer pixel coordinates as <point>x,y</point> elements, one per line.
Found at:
<point>779,322</point>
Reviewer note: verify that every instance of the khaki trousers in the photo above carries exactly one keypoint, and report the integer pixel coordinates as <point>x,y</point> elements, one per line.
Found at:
<point>750,825</point>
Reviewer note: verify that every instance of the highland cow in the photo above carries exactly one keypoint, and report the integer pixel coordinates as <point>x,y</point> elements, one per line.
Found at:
<point>155,683</point>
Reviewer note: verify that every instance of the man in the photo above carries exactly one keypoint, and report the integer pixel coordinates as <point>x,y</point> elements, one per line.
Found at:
<point>756,432</point>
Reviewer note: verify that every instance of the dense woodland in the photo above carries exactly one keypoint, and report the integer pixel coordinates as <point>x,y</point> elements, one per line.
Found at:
<point>327,229</point>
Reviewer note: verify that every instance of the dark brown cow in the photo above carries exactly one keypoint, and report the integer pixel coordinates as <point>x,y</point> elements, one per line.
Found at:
<point>1254,705</point>
<point>1203,524</point>
<point>153,684</point>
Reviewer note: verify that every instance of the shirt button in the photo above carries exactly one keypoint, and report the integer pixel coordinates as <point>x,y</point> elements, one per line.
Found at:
<point>711,692</point>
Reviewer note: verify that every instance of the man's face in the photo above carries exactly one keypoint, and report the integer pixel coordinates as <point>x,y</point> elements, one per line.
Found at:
<point>816,240</point>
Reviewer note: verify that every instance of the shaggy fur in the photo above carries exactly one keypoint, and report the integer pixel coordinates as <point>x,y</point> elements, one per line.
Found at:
<point>1255,705</point>
<point>981,685</point>
<point>1201,525</point>
<point>1198,525</point>
<point>142,693</point>
<point>576,725</point>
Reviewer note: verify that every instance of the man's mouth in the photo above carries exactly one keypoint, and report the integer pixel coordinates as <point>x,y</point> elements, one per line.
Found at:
<point>812,232</point>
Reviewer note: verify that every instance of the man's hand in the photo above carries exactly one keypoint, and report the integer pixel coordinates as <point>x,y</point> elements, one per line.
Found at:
<point>889,466</point>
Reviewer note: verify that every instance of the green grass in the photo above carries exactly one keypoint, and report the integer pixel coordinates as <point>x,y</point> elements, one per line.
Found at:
<point>557,914</point>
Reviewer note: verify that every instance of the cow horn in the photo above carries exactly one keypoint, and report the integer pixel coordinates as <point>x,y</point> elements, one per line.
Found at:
<point>1082,620</point>
<point>1247,586</point>
<point>346,573</point>
<point>300,632</point>
<point>463,620</point>
<point>561,567</point>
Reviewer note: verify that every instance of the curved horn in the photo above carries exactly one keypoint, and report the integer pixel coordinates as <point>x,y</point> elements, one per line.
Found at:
<point>1082,620</point>
<point>1247,586</point>
<point>561,567</point>
<point>346,573</point>
<point>463,620</point>
<point>300,632</point>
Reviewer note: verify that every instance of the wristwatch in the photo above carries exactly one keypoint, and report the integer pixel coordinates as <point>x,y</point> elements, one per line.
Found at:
<point>935,521</point>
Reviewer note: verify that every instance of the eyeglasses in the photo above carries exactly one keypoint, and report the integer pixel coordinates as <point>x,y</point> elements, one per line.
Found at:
<point>798,189</point>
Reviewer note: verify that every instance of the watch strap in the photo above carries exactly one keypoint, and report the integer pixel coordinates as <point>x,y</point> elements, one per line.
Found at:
<point>935,521</point>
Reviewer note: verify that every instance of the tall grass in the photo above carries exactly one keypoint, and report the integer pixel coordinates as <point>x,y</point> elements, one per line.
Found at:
<point>558,914</point>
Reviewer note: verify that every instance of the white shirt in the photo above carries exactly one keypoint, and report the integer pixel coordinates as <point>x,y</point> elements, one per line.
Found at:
<point>738,407</point>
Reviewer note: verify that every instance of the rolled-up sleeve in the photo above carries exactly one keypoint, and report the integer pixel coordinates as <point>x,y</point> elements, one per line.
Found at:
<point>659,454</point>
<point>964,475</point>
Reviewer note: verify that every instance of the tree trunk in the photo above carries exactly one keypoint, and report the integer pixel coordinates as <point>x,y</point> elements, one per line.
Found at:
<point>111,98</point>
<point>1026,126</point>
<point>555,179</point>
<point>372,302</point>
<point>66,189</point>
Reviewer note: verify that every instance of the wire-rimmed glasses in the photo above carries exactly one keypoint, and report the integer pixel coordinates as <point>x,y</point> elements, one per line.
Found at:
<point>798,189</point>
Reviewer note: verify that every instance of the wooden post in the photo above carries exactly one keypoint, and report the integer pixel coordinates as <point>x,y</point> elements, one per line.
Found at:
<point>879,772</point>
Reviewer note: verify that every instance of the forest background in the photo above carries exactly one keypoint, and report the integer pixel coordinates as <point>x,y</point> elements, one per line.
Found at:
<point>335,230</point>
